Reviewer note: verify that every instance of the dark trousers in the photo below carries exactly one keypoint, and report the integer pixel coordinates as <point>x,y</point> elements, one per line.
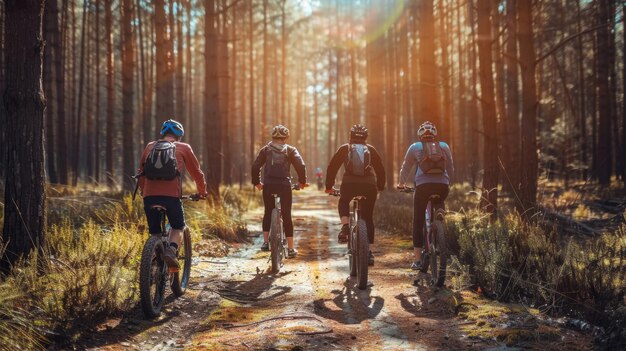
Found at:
<point>349,191</point>
<point>173,210</point>
<point>423,193</point>
<point>284,191</point>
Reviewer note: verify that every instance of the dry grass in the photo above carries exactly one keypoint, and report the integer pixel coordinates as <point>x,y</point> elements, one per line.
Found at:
<point>91,261</point>
<point>532,264</point>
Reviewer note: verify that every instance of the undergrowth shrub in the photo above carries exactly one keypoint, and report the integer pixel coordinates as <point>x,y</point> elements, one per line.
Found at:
<point>90,264</point>
<point>530,263</point>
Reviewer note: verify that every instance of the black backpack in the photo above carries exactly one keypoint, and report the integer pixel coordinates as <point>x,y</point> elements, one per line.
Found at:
<point>359,160</point>
<point>434,158</point>
<point>161,162</point>
<point>277,162</point>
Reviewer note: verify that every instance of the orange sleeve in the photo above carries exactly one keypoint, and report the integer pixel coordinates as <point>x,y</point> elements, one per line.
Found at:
<point>193,167</point>
<point>144,156</point>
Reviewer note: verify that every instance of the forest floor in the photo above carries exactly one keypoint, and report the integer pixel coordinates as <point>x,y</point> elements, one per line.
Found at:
<point>313,305</point>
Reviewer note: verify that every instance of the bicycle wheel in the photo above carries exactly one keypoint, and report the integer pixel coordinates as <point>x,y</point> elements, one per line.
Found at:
<point>152,277</point>
<point>439,247</point>
<point>362,259</point>
<point>180,279</point>
<point>276,244</point>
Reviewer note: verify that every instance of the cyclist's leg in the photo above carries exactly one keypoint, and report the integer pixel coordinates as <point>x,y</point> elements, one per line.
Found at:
<point>152,215</point>
<point>442,190</point>
<point>268,202</point>
<point>285,209</point>
<point>347,193</point>
<point>367,208</point>
<point>420,201</point>
<point>176,216</point>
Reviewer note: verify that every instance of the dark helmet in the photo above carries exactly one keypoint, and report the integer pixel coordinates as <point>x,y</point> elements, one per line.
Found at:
<point>172,126</point>
<point>358,132</point>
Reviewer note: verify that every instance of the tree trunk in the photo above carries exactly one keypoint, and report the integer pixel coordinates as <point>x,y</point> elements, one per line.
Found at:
<point>164,76</point>
<point>213,124</point>
<point>97,115</point>
<point>428,65</point>
<point>582,96</point>
<point>108,23</point>
<point>265,68</point>
<point>604,152</point>
<point>51,18</point>
<point>251,67</point>
<point>24,105</point>
<point>512,137</point>
<point>180,104</point>
<point>528,187</point>
<point>128,71</point>
<point>489,199</point>
<point>624,91</point>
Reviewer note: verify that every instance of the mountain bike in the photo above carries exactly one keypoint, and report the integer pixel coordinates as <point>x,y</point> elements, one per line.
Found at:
<point>358,242</point>
<point>434,241</point>
<point>154,274</point>
<point>278,250</point>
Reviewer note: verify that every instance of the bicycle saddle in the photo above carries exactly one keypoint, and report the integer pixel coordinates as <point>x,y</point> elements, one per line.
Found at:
<point>360,197</point>
<point>434,197</point>
<point>158,207</point>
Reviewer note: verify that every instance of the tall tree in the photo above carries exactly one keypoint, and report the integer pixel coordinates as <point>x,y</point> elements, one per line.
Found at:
<point>164,76</point>
<point>110,122</point>
<point>428,64</point>
<point>489,199</point>
<point>51,19</point>
<point>128,71</point>
<point>213,124</point>
<point>511,163</point>
<point>24,105</point>
<point>604,152</point>
<point>528,186</point>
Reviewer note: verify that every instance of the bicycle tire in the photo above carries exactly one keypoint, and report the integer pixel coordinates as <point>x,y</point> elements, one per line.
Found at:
<point>276,245</point>
<point>352,252</point>
<point>180,279</point>
<point>362,257</point>
<point>442,250</point>
<point>152,274</point>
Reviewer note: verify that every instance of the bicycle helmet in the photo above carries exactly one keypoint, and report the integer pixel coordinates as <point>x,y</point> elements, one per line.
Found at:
<point>280,132</point>
<point>172,126</point>
<point>358,132</point>
<point>427,130</point>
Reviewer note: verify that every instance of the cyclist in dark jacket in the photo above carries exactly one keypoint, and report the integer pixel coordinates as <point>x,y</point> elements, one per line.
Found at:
<point>426,184</point>
<point>276,158</point>
<point>355,184</point>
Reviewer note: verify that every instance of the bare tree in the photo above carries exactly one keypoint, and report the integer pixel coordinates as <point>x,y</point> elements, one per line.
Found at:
<point>528,187</point>
<point>24,105</point>
<point>489,199</point>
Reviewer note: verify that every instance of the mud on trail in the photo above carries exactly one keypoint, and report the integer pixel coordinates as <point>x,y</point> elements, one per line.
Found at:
<point>311,304</point>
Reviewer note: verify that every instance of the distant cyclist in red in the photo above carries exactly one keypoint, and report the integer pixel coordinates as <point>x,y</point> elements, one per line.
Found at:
<point>158,188</point>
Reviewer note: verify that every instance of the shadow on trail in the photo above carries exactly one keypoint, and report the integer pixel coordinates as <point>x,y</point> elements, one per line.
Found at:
<point>354,305</point>
<point>431,303</point>
<point>255,290</point>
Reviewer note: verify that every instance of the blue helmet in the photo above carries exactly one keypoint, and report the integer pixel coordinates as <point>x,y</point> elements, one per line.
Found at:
<point>172,126</point>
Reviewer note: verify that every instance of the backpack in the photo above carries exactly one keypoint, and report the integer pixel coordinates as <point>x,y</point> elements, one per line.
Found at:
<point>161,162</point>
<point>359,160</point>
<point>277,162</point>
<point>434,158</point>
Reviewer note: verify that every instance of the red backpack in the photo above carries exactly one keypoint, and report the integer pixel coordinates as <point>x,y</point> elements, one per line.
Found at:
<point>433,159</point>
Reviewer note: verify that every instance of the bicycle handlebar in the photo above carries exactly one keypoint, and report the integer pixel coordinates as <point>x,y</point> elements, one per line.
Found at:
<point>335,192</point>
<point>192,197</point>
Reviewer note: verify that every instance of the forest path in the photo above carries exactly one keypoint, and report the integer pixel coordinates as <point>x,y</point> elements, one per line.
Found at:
<point>312,294</point>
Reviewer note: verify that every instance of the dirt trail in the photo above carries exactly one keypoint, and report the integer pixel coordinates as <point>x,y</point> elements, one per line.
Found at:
<point>234,304</point>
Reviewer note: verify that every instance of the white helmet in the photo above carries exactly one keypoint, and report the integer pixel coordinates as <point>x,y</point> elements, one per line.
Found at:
<point>280,132</point>
<point>427,129</point>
